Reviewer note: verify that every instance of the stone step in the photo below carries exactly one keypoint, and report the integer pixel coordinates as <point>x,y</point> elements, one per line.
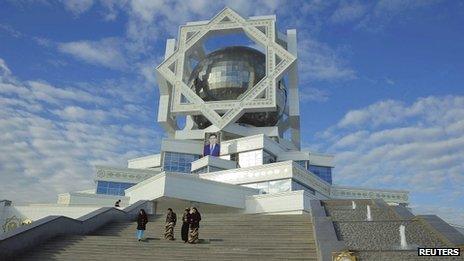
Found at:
<point>178,252</point>
<point>223,237</point>
<point>211,257</point>
<point>159,243</point>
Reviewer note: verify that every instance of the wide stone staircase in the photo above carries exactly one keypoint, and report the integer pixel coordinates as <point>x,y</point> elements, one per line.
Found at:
<point>223,237</point>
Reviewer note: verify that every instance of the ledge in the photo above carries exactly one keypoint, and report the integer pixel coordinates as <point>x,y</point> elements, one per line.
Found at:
<point>324,232</point>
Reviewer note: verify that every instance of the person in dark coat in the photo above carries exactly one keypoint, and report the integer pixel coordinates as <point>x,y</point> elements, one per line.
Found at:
<point>194,225</point>
<point>171,219</point>
<point>117,204</point>
<point>142,220</point>
<point>185,225</point>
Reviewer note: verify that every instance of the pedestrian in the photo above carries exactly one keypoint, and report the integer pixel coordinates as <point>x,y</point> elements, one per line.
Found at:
<point>185,225</point>
<point>194,225</point>
<point>171,219</point>
<point>117,204</point>
<point>142,221</point>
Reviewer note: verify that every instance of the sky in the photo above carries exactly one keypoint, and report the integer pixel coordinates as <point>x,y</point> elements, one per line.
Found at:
<point>381,88</point>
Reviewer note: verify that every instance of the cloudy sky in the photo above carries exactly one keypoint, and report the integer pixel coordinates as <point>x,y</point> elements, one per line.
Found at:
<point>382,88</point>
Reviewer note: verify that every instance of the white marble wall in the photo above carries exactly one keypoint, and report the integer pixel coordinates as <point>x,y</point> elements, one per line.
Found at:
<point>292,202</point>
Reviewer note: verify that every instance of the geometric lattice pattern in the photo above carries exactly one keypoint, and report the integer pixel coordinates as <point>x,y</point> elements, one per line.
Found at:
<point>262,31</point>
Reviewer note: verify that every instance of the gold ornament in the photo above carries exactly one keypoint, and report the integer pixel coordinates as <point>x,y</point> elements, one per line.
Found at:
<point>345,255</point>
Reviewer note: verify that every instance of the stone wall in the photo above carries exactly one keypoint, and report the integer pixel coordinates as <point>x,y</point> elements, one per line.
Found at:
<point>360,214</point>
<point>384,235</point>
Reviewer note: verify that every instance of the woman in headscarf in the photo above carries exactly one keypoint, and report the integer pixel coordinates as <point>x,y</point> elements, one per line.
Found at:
<point>185,225</point>
<point>194,225</point>
<point>142,221</point>
<point>171,219</point>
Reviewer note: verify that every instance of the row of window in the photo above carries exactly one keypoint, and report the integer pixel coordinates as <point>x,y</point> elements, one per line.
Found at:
<point>325,173</point>
<point>269,187</point>
<point>283,185</point>
<point>179,162</point>
<point>112,188</point>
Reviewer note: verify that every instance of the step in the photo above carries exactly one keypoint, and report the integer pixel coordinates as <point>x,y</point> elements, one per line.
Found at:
<point>224,237</point>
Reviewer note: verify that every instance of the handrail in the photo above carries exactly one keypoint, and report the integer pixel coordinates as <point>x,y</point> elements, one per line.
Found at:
<point>45,228</point>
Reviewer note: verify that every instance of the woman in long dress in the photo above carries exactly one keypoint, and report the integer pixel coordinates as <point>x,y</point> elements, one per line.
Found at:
<point>142,221</point>
<point>194,225</point>
<point>171,220</point>
<point>185,225</point>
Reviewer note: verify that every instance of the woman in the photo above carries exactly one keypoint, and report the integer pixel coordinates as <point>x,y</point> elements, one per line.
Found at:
<point>185,225</point>
<point>142,220</point>
<point>194,222</point>
<point>171,219</point>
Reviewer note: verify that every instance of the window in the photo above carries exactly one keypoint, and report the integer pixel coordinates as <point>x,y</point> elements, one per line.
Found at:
<point>277,186</point>
<point>178,162</point>
<point>325,173</point>
<point>112,188</point>
<point>200,170</point>
<point>213,169</point>
<point>269,187</point>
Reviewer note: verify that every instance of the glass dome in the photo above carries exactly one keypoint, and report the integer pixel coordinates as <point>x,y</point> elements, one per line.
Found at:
<point>227,73</point>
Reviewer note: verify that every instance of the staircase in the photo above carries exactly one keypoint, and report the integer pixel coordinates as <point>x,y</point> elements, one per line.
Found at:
<point>223,237</point>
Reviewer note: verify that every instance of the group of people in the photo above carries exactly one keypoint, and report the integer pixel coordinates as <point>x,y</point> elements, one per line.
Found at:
<point>190,225</point>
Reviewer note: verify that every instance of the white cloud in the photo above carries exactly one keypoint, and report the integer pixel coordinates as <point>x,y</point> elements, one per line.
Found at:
<point>389,81</point>
<point>313,94</point>
<point>388,111</point>
<point>417,147</point>
<point>11,31</point>
<point>385,11</point>
<point>4,70</point>
<point>52,136</point>
<point>320,62</point>
<point>347,12</point>
<point>107,52</point>
<point>432,109</point>
<point>78,6</point>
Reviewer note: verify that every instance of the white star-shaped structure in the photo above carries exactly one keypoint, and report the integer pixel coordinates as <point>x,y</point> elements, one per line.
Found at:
<point>178,98</point>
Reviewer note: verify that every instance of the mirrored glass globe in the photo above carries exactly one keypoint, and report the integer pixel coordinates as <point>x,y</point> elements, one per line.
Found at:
<point>227,73</point>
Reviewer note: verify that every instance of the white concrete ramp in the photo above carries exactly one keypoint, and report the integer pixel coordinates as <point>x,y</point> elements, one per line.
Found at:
<point>190,188</point>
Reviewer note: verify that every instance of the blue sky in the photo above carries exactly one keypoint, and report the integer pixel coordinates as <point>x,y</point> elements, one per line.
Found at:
<point>381,87</point>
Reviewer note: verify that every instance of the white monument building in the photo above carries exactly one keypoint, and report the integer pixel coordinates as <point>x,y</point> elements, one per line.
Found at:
<point>248,97</point>
<point>232,118</point>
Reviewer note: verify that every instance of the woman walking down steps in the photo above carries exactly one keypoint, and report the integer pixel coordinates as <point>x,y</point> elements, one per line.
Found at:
<point>142,221</point>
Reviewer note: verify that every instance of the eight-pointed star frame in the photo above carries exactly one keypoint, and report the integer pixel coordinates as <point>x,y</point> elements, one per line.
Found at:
<point>262,31</point>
